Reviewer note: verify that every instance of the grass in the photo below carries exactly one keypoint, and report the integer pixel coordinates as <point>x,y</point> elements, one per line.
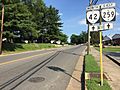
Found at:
<point>90,64</point>
<point>10,48</point>
<point>109,49</point>
<point>94,84</point>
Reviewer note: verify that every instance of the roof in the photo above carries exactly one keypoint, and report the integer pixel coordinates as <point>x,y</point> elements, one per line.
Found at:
<point>116,36</point>
<point>106,38</point>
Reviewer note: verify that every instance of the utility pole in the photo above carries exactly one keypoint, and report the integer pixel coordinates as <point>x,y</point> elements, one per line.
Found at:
<point>88,48</point>
<point>2,23</point>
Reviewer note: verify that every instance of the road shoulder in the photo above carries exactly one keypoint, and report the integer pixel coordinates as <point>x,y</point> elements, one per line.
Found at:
<point>77,78</point>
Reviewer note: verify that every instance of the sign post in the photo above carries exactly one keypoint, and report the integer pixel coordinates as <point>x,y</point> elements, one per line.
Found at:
<point>101,61</point>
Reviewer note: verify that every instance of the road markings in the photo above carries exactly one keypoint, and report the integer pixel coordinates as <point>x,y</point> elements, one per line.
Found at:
<point>21,59</point>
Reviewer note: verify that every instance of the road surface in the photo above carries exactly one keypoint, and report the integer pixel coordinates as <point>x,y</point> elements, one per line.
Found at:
<point>39,70</point>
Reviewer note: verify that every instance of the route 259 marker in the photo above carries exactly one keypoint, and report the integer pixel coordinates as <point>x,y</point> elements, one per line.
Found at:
<point>108,26</point>
<point>108,14</point>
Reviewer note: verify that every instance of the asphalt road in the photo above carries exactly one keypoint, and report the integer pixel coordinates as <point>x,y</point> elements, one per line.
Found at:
<point>39,70</point>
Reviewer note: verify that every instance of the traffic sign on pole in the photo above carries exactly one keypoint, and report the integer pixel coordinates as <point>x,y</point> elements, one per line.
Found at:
<point>101,13</point>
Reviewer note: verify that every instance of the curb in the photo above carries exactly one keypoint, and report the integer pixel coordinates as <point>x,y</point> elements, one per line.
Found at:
<point>113,59</point>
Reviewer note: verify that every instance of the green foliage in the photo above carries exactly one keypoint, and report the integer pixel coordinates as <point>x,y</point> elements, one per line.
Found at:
<point>31,20</point>
<point>74,39</point>
<point>90,64</point>
<point>17,47</point>
<point>109,49</point>
<point>94,84</point>
<point>94,37</point>
<point>78,39</point>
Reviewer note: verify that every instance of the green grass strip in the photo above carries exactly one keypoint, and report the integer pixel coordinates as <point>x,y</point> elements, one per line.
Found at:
<point>109,49</point>
<point>18,47</point>
<point>94,84</point>
<point>90,64</point>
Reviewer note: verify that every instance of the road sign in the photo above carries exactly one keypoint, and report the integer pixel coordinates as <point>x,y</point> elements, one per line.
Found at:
<point>92,17</point>
<point>108,14</point>
<point>108,26</point>
<point>93,28</point>
<point>94,7</point>
<point>107,5</point>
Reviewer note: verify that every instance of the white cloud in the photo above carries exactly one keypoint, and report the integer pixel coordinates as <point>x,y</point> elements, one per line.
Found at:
<point>60,14</point>
<point>82,22</point>
<point>117,14</point>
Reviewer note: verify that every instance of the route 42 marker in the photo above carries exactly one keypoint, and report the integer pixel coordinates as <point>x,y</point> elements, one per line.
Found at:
<point>92,17</point>
<point>93,28</point>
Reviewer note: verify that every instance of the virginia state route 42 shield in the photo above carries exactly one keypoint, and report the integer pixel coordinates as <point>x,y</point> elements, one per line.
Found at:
<point>93,16</point>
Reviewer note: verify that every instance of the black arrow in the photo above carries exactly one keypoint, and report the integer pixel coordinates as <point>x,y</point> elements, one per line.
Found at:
<point>108,25</point>
<point>93,28</point>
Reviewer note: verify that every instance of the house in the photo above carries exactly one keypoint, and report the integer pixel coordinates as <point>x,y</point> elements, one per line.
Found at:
<point>107,40</point>
<point>116,39</point>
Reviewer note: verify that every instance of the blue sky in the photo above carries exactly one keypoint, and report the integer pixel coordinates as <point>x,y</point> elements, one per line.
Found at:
<point>73,14</point>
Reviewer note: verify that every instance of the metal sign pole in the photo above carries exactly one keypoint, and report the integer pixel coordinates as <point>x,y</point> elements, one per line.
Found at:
<point>88,48</point>
<point>1,32</point>
<point>101,61</point>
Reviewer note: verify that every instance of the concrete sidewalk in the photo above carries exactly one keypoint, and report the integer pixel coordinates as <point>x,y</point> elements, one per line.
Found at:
<point>111,69</point>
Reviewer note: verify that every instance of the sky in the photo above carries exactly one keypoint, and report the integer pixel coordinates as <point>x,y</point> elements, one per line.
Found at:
<point>73,15</point>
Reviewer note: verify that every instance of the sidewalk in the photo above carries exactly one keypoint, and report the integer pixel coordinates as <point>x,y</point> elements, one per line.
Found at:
<point>111,69</point>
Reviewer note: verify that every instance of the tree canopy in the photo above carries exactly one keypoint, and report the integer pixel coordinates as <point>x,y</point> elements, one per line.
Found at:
<point>31,20</point>
<point>78,39</point>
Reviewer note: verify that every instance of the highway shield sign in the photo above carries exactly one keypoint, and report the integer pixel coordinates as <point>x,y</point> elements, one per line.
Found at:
<point>108,14</point>
<point>93,17</point>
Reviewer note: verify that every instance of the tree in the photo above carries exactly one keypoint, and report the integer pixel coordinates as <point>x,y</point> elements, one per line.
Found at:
<point>63,37</point>
<point>94,38</point>
<point>74,39</point>
<point>78,39</point>
<point>83,37</point>
<point>31,20</point>
<point>52,23</point>
<point>18,23</point>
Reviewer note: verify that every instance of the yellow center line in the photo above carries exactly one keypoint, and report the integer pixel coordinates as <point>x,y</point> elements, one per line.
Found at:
<point>21,59</point>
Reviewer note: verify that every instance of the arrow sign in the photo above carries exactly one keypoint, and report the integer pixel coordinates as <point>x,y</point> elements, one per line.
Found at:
<point>93,28</point>
<point>108,26</point>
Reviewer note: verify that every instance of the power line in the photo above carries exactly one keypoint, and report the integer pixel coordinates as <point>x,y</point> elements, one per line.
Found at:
<point>94,2</point>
